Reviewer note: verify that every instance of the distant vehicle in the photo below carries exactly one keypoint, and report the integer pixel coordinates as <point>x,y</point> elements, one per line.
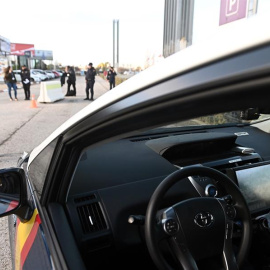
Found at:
<point>50,74</point>
<point>42,74</point>
<point>56,73</point>
<point>128,73</point>
<point>35,78</point>
<point>60,72</point>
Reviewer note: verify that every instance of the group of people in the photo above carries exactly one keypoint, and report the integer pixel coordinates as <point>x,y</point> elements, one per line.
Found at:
<point>71,81</point>
<point>69,73</point>
<point>90,75</point>
<point>11,81</point>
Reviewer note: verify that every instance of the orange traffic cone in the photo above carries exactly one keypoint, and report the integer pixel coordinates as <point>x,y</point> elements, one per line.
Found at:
<point>33,102</point>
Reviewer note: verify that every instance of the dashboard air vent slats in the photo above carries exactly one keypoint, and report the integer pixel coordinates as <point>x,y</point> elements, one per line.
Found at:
<point>92,218</point>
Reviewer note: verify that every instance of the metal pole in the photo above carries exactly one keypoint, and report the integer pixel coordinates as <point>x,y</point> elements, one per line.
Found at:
<point>117,43</point>
<point>113,42</point>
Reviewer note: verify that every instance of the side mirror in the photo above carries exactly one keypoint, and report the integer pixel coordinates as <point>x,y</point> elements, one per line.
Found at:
<point>13,194</point>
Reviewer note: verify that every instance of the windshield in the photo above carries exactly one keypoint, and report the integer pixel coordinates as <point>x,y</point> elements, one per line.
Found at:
<point>228,118</point>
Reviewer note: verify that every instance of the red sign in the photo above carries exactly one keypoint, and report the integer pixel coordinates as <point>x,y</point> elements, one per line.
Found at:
<point>20,49</point>
<point>231,10</point>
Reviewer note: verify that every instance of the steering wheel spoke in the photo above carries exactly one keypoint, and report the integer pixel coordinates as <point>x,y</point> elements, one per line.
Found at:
<point>228,257</point>
<point>182,254</point>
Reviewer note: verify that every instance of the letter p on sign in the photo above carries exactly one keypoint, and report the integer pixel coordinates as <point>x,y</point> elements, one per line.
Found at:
<point>232,7</point>
<point>231,10</point>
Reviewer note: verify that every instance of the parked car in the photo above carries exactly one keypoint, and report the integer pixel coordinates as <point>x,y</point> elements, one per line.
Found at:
<point>56,74</point>
<point>60,72</point>
<point>35,78</point>
<point>168,170</point>
<point>41,74</point>
<point>50,74</point>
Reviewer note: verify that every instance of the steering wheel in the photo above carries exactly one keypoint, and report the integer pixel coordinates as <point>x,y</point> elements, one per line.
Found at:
<point>197,228</point>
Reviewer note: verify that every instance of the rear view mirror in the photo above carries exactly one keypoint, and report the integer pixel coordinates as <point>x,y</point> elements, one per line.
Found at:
<point>10,186</point>
<point>250,114</point>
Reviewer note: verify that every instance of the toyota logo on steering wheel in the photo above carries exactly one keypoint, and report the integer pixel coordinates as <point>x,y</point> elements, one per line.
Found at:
<point>204,219</point>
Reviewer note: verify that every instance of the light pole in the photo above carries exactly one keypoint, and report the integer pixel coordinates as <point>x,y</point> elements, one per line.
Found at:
<point>115,43</point>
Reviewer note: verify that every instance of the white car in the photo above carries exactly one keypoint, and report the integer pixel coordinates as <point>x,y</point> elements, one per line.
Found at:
<point>35,78</point>
<point>41,74</point>
<point>50,74</point>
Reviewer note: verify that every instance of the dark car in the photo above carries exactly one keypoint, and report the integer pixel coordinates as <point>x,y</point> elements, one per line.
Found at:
<point>168,170</point>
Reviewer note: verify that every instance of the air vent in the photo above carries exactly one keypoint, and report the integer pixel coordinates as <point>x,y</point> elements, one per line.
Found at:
<point>223,165</point>
<point>92,218</point>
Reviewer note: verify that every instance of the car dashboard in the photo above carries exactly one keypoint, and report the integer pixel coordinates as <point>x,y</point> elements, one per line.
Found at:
<point>114,182</point>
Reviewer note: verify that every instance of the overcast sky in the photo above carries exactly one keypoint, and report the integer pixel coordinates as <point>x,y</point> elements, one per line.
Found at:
<point>81,31</point>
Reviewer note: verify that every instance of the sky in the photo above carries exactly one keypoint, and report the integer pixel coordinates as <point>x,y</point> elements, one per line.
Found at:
<point>81,31</point>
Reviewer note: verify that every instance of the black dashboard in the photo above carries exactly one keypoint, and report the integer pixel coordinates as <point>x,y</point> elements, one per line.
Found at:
<point>115,181</point>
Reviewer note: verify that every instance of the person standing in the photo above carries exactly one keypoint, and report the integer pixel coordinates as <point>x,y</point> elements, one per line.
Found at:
<point>111,77</point>
<point>11,82</point>
<point>26,81</point>
<point>63,78</point>
<point>71,81</point>
<point>90,81</point>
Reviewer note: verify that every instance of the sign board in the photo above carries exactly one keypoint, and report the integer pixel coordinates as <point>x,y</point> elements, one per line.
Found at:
<point>4,45</point>
<point>232,10</point>
<point>3,65</point>
<point>43,55</point>
<point>27,53</point>
<point>20,49</point>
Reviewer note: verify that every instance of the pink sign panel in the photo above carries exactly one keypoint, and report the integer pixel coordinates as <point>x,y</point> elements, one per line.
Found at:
<point>232,10</point>
<point>19,48</point>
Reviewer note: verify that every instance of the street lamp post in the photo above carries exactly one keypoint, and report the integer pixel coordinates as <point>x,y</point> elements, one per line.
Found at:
<point>115,43</point>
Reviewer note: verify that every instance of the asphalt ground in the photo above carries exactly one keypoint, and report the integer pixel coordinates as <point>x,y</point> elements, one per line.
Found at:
<point>24,127</point>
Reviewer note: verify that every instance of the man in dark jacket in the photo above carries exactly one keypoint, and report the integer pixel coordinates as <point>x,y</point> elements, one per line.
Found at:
<point>111,77</point>
<point>90,81</point>
<point>26,81</point>
<point>71,81</point>
<point>63,78</point>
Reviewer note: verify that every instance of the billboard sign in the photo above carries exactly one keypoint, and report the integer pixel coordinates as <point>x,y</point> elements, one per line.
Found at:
<point>3,65</point>
<point>4,45</point>
<point>232,10</point>
<point>20,49</point>
<point>43,55</point>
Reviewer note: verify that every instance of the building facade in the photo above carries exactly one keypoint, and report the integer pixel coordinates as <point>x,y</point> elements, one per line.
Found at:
<point>188,22</point>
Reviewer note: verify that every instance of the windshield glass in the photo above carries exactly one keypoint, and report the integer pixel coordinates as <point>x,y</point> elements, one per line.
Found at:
<point>227,118</point>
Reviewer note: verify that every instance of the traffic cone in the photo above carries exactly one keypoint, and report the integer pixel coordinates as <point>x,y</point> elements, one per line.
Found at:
<point>33,102</point>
